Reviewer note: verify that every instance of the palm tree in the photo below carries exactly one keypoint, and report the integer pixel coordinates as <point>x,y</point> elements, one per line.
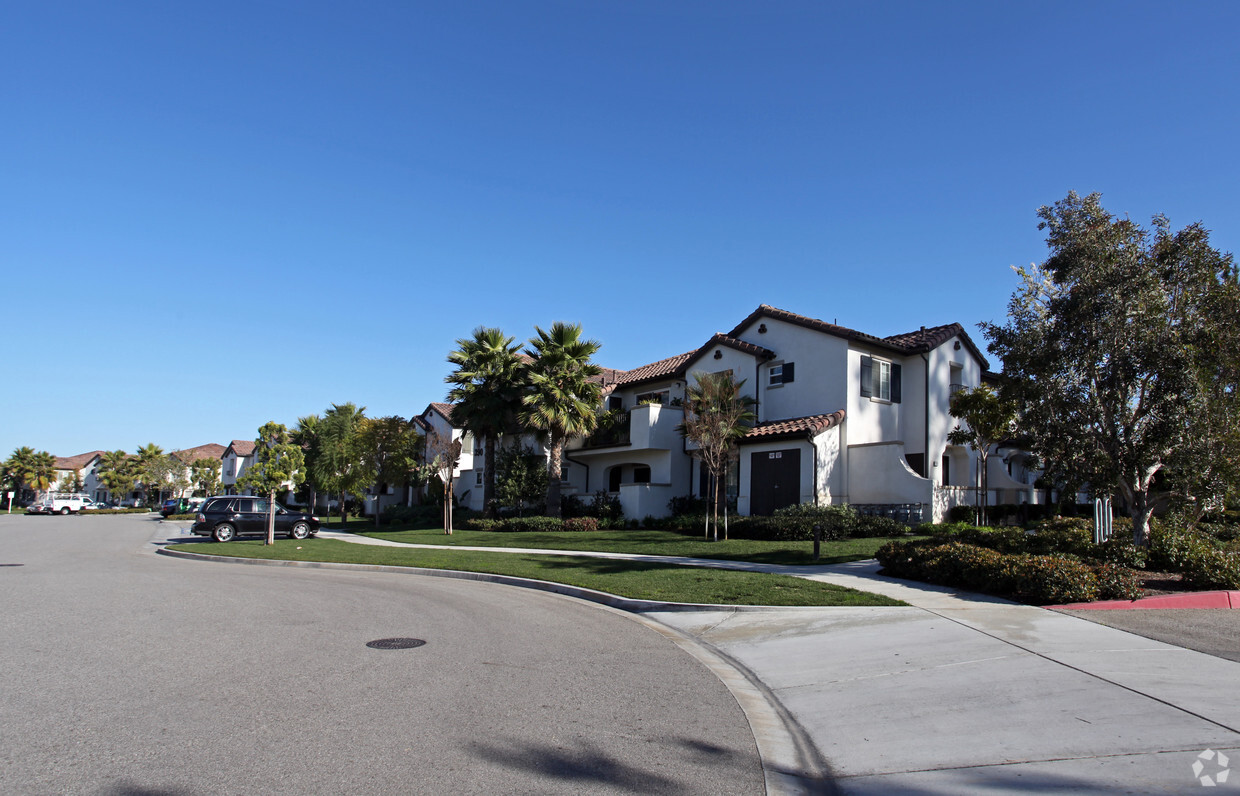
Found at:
<point>340,465</point>
<point>27,469</point>
<point>146,464</point>
<point>306,434</point>
<point>717,417</point>
<point>563,396</point>
<point>117,472</point>
<point>486,395</point>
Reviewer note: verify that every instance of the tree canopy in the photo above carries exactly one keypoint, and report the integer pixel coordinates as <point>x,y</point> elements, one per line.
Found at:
<point>1121,352</point>
<point>278,464</point>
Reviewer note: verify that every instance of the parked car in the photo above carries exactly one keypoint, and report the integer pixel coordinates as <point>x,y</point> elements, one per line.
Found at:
<point>39,507</point>
<point>228,516</point>
<point>60,503</point>
<point>181,506</point>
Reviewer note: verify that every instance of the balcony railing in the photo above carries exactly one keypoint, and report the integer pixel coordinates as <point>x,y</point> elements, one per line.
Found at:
<point>614,432</point>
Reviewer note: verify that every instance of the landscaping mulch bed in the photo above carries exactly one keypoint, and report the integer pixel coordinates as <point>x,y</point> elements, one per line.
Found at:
<point>1156,583</point>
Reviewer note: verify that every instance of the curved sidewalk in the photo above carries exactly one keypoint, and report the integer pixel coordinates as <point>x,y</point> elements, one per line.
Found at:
<point>966,693</point>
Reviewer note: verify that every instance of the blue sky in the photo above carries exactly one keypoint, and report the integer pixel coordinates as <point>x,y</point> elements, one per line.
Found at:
<point>215,215</point>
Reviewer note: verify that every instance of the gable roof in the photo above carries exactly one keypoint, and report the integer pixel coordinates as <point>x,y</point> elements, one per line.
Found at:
<point>440,408</point>
<point>211,450</point>
<point>76,462</point>
<point>241,447</point>
<point>678,366</point>
<point>805,427</point>
<point>918,342</point>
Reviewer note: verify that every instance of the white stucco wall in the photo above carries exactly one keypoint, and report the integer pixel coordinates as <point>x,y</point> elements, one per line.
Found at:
<point>878,473</point>
<point>819,385</point>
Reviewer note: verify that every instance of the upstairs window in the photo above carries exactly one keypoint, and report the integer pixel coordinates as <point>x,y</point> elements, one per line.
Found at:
<point>880,379</point>
<point>781,373</point>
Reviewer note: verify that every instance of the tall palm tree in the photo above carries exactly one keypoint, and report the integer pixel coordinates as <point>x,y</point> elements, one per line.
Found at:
<point>117,472</point>
<point>146,463</point>
<point>341,465</point>
<point>717,417</point>
<point>486,394</point>
<point>306,434</point>
<point>563,396</point>
<point>27,469</point>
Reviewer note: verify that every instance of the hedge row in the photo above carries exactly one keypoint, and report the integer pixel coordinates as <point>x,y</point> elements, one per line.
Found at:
<point>534,524</point>
<point>1037,579</point>
<point>796,524</point>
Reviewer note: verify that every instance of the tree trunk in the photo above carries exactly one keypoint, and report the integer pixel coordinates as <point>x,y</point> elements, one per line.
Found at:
<point>1140,512</point>
<point>715,507</point>
<point>344,512</point>
<point>271,518</point>
<point>553,476</point>
<point>489,509</point>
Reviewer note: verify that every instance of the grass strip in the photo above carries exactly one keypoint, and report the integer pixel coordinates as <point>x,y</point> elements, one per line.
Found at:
<point>648,542</point>
<point>633,579</point>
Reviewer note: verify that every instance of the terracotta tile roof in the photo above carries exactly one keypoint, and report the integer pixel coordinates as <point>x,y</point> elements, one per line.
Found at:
<point>656,370</point>
<point>241,447</point>
<point>443,409</point>
<point>908,343</point>
<point>211,450</point>
<point>808,427</point>
<point>76,462</point>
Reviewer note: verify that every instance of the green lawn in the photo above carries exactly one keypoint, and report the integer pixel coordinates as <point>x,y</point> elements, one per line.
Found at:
<point>633,579</point>
<point>647,542</point>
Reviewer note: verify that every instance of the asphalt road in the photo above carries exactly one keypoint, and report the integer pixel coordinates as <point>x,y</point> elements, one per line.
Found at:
<point>126,673</point>
<point>1214,631</point>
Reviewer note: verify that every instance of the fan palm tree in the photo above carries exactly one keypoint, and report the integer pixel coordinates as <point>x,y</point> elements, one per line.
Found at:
<point>306,434</point>
<point>717,416</point>
<point>27,469</point>
<point>117,473</point>
<point>486,394</point>
<point>563,396</point>
<point>146,465</point>
<point>340,465</point>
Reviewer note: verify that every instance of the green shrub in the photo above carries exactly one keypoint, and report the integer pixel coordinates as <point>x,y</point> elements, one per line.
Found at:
<point>412,514</point>
<point>836,522</point>
<point>581,524</point>
<point>1038,579</point>
<point>181,517</point>
<point>482,524</point>
<point>870,526</point>
<point>1116,582</point>
<point>942,529</point>
<point>535,524</point>
<point>965,514</point>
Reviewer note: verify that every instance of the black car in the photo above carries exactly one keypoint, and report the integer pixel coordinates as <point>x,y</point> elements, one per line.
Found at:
<point>228,516</point>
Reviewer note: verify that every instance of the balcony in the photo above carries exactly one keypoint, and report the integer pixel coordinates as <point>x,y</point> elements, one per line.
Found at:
<point>650,426</point>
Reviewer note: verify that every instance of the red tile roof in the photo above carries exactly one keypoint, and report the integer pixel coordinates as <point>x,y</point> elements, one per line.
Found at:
<point>211,450</point>
<point>907,343</point>
<point>808,427</point>
<point>678,366</point>
<point>241,447</point>
<point>444,410</point>
<point>76,462</point>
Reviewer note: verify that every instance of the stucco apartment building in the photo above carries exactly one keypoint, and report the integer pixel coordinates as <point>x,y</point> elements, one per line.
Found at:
<point>842,417</point>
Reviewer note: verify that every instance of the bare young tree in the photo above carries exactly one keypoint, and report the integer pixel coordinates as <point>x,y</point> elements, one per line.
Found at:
<point>443,453</point>
<point>717,416</point>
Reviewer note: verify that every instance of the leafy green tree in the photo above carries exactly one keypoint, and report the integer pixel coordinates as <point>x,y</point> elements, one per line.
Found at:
<point>520,477</point>
<point>340,465</point>
<point>717,417</point>
<point>1120,351</point>
<point>278,464</point>
<point>988,420</point>
<point>117,471</point>
<point>563,396</point>
<point>488,383</point>
<point>393,449</point>
<point>205,473</point>
<point>28,470</point>
<point>147,461</point>
<point>167,472</point>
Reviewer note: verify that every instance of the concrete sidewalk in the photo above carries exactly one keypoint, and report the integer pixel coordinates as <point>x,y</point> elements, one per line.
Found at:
<point>965,693</point>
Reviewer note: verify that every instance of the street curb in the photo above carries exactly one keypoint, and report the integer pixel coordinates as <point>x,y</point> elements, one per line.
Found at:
<point>791,763</point>
<point>1201,599</point>
<point>602,597</point>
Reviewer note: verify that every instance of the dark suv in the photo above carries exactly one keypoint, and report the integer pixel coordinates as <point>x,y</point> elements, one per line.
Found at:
<point>225,517</point>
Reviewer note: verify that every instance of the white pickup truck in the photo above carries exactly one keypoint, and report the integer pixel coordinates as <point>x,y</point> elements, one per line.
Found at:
<point>62,503</point>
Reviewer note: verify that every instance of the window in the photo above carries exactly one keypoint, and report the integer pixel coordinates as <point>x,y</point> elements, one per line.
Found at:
<point>641,474</point>
<point>781,373</point>
<point>478,478</point>
<point>880,379</point>
<point>659,397</point>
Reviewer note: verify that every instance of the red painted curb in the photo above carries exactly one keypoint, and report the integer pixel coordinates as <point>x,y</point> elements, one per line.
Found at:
<point>1199,599</point>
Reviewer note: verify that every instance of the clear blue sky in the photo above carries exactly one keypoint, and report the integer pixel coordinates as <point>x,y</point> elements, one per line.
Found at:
<point>217,214</point>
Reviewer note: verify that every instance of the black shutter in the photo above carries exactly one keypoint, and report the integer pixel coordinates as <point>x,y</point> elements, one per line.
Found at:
<point>895,383</point>
<point>788,372</point>
<point>867,376</point>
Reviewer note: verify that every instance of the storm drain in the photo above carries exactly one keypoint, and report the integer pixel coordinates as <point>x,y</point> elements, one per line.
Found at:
<point>395,643</point>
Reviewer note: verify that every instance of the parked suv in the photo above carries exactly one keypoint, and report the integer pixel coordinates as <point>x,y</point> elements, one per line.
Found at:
<point>228,516</point>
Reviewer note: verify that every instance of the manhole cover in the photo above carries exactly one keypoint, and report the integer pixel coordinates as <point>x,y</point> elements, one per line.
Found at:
<point>395,643</point>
